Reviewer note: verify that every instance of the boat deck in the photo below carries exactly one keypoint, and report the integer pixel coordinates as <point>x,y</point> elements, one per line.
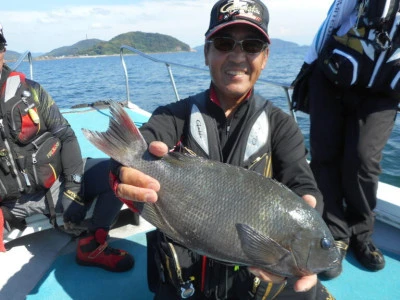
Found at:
<point>42,265</point>
<point>45,264</point>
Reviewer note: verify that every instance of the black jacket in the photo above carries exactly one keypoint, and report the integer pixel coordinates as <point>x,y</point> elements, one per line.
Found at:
<point>288,151</point>
<point>51,120</point>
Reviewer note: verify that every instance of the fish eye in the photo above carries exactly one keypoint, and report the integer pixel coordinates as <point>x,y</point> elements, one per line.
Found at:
<point>326,243</point>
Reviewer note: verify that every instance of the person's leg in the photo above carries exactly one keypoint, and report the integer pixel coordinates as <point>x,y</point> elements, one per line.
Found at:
<point>93,249</point>
<point>14,212</point>
<point>327,120</point>
<point>326,147</point>
<point>366,138</point>
<point>96,185</point>
<point>31,204</point>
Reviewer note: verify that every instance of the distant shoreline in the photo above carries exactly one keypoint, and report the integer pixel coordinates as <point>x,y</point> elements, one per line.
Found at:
<point>40,58</point>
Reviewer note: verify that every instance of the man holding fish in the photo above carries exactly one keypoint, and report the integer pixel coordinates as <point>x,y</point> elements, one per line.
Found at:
<point>228,123</point>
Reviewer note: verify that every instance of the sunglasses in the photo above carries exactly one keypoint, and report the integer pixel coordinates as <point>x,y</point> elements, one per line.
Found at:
<point>226,44</point>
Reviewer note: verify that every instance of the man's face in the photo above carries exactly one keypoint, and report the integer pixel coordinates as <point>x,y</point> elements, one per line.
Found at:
<point>235,72</point>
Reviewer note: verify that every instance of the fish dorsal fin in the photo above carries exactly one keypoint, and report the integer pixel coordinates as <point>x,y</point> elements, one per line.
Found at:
<point>261,249</point>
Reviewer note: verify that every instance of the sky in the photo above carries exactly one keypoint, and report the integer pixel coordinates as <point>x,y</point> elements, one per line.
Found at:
<point>44,25</point>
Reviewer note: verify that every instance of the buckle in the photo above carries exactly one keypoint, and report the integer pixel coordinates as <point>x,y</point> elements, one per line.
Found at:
<point>187,289</point>
<point>341,245</point>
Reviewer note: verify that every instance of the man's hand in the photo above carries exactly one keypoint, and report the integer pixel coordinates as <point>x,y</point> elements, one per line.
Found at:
<point>73,203</point>
<point>137,186</point>
<point>310,200</point>
<point>305,283</point>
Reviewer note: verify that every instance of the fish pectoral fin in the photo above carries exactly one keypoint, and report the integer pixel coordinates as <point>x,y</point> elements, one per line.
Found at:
<point>260,248</point>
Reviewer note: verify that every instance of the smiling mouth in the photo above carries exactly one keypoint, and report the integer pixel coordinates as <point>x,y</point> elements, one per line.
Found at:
<point>235,73</point>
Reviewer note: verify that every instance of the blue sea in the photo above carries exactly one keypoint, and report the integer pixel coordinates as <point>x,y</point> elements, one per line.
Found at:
<point>85,80</point>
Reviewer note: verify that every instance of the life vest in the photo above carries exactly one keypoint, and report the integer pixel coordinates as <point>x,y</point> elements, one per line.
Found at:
<point>29,155</point>
<point>376,13</point>
<point>252,150</point>
<point>189,272</point>
<point>368,55</point>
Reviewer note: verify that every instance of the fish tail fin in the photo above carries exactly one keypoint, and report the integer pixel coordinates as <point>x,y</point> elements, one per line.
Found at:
<point>122,141</point>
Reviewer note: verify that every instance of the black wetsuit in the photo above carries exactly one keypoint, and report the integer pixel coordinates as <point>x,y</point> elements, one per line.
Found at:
<point>95,171</point>
<point>286,150</point>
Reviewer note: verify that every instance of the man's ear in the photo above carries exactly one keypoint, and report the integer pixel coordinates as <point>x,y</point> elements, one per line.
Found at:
<point>266,56</point>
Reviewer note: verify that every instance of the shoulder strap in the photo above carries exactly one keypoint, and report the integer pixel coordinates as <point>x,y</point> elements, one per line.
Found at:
<point>5,72</point>
<point>10,83</point>
<point>201,127</point>
<point>260,132</point>
<point>197,126</point>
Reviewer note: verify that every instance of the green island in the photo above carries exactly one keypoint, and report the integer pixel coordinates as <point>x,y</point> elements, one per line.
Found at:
<point>143,41</point>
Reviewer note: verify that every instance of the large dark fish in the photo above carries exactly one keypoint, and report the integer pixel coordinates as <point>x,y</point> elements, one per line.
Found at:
<point>222,211</point>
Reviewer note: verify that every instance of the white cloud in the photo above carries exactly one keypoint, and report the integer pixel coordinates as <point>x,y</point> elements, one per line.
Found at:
<point>186,20</point>
<point>296,20</point>
<point>99,26</point>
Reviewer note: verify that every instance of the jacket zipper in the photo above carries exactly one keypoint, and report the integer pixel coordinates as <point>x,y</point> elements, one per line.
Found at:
<point>228,127</point>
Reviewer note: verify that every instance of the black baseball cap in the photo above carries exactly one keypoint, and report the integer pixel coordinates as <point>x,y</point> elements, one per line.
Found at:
<point>2,38</point>
<point>228,12</point>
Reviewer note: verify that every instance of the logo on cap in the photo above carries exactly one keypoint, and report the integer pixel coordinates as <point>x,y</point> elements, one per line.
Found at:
<point>239,8</point>
<point>226,12</point>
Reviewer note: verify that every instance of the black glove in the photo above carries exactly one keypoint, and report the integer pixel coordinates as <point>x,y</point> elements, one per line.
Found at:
<point>73,203</point>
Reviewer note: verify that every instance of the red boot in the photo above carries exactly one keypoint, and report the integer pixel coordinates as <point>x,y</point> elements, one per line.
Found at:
<point>93,250</point>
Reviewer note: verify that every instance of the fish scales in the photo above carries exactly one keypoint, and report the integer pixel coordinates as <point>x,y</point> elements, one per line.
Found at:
<point>219,197</point>
<point>223,211</point>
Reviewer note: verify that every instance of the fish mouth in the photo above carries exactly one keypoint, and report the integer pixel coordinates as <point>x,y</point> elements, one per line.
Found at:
<point>316,270</point>
<point>331,266</point>
<point>308,269</point>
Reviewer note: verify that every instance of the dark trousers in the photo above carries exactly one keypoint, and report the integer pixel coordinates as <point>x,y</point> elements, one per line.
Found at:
<point>96,184</point>
<point>348,131</point>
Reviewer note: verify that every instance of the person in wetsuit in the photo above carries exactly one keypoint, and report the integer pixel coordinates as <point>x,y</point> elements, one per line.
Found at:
<point>236,51</point>
<point>348,85</point>
<point>59,181</point>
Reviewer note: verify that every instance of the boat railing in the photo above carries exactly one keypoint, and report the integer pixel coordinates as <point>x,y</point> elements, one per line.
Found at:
<point>388,208</point>
<point>169,65</point>
<point>26,54</point>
